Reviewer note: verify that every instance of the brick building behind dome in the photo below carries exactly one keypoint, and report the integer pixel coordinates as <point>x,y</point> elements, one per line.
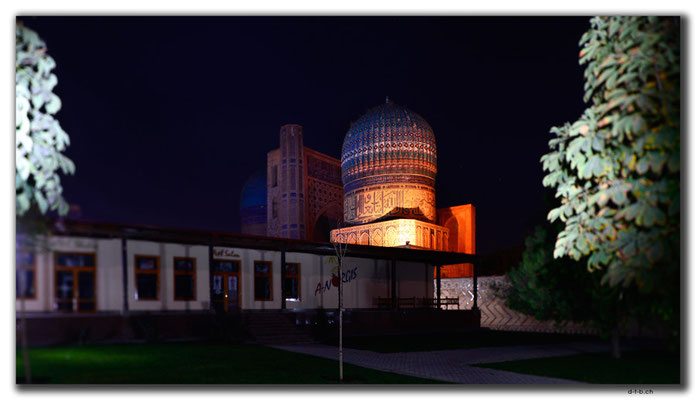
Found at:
<point>304,191</point>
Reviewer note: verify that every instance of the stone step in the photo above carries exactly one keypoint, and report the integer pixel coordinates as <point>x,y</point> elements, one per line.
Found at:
<point>270,321</point>
<point>288,340</point>
<point>276,333</point>
<point>278,339</point>
<point>276,328</point>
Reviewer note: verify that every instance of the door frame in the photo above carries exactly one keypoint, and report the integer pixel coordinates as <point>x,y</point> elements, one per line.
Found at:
<point>224,275</point>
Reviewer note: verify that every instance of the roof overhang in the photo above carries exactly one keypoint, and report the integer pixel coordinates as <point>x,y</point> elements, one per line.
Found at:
<point>225,239</point>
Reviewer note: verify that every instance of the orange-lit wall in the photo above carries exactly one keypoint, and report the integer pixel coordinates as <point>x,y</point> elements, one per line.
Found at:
<point>395,232</point>
<point>461,222</point>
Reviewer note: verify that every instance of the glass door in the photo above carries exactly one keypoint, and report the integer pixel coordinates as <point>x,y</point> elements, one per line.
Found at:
<point>226,286</point>
<point>64,290</point>
<point>232,292</point>
<point>85,291</point>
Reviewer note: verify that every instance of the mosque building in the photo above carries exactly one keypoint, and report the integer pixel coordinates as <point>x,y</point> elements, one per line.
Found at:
<point>380,193</point>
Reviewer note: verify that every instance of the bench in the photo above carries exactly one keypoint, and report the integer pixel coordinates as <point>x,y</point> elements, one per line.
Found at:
<point>406,302</point>
<point>444,301</point>
<point>410,302</point>
<point>401,302</point>
<point>383,302</point>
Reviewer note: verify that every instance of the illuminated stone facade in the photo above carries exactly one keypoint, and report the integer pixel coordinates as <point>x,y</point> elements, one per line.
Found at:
<point>304,189</point>
<point>461,222</point>
<point>376,201</point>
<point>393,233</point>
<point>324,191</point>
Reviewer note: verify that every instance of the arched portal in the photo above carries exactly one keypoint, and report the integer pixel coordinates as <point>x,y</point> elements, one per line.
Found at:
<point>329,218</point>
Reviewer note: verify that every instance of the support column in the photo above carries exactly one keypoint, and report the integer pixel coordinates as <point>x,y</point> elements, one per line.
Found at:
<point>439,286</point>
<point>475,283</point>
<point>124,272</point>
<point>210,275</point>
<point>393,285</point>
<point>282,278</point>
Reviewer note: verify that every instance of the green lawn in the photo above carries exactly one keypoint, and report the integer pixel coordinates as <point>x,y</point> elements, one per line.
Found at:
<point>634,367</point>
<point>192,363</point>
<point>468,340</point>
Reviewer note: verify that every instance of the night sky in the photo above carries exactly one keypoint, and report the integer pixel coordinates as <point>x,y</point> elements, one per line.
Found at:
<point>169,116</point>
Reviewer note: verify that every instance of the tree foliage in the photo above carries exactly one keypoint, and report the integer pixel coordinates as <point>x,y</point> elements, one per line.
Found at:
<point>562,290</point>
<point>559,289</point>
<point>616,170</point>
<point>39,138</point>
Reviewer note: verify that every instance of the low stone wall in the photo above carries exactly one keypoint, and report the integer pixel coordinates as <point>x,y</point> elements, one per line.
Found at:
<point>494,314</point>
<point>57,329</point>
<point>377,322</point>
<point>45,329</point>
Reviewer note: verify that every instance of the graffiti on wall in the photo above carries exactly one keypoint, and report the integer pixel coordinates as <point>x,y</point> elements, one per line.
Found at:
<point>348,275</point>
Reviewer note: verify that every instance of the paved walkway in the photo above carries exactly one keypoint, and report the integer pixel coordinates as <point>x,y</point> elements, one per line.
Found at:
<point>453,365</point>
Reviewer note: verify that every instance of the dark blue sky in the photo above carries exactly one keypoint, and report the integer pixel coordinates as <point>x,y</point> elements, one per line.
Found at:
<point>169,116</point>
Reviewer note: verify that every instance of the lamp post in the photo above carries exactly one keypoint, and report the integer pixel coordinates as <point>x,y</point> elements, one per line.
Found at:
<point>340,249</point>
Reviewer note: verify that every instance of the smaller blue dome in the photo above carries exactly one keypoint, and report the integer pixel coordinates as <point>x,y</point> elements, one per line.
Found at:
<point>254,190</point>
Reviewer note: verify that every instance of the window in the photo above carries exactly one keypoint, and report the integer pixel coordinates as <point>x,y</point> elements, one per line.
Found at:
<point>292,282</point>
<point>274,176</point>
<point>146,277</point>
<point>263,286</point>
<point>75,281</point>
<point>274,208</point>
<point>26,275</point>
<point>226,266</point>
<point>184,278</point>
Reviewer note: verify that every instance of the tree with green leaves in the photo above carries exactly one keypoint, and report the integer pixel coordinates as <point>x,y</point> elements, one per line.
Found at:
<point>616,170</point>
<point>561,290</point>
<point>39,141</point>
<point>39,138</point>
<point>542,287</point>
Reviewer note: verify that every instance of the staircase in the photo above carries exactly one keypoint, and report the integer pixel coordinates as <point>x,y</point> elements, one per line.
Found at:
<point>276,328</point>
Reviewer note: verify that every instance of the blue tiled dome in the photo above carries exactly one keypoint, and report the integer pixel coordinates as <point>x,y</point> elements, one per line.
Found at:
<point>253,204</point>
<point>390,141</point>
<point>254,190</point>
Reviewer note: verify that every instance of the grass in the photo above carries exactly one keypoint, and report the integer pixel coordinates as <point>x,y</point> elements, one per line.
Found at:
<point>468,340</point>
<point>192,363</point>
<point>634,367</point>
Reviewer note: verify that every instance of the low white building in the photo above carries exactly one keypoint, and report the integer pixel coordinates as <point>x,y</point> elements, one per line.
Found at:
<point>88,267</point>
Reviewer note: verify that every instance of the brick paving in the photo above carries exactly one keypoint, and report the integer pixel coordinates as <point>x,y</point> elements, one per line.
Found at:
<point>453,365</point>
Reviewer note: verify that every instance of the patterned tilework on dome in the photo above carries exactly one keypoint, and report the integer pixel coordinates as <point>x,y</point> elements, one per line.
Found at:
<point>389,163</point>
<point>389,139</point>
